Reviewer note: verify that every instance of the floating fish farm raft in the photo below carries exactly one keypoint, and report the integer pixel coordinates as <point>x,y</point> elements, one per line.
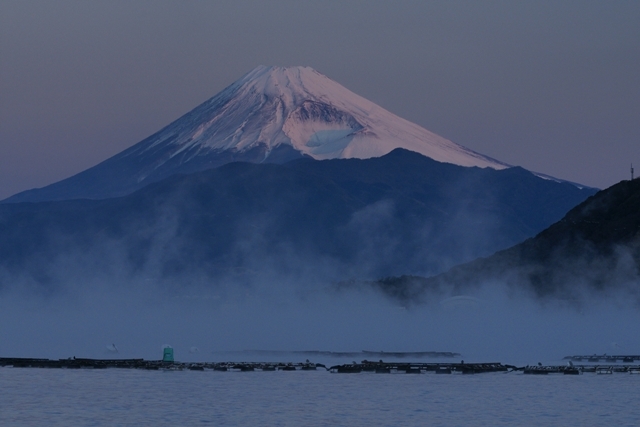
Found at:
<point>580,369</point>
<point>381,367</point>
<point>604,358</point>
<point>378,367</point>
<point>75,363</point>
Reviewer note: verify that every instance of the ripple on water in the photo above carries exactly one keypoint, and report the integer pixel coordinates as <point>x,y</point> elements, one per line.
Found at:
<point>131,397</point>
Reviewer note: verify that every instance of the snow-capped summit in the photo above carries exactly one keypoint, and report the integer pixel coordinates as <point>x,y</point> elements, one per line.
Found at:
<point>271,114</point>
<point>273,107</point>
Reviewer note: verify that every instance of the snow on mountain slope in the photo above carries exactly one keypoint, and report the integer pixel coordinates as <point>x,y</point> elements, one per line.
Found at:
<point>271,115</point>
<point>299,107</point>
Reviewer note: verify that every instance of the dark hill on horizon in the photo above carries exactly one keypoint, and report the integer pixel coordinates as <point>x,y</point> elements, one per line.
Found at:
<point>331,219</point>
<point>595,248</point>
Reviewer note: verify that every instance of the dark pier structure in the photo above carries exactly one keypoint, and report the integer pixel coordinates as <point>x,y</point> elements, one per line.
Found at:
<point>75,363</point>
<point>365,366</point>
<point>580,369</point>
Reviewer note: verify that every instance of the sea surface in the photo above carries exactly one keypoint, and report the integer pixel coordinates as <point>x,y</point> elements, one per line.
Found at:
<point>123,397</point>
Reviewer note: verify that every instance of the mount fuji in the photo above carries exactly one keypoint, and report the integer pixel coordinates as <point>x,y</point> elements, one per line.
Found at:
<point>270,115</point>
<point>285,174</point>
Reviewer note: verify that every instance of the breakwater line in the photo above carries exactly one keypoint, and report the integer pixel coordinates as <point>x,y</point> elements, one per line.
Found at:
<point>81,363</point>
<point>366,366</point>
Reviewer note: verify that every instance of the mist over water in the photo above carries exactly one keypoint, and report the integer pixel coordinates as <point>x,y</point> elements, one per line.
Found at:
<point>174,265</point>
<point>203,321</point>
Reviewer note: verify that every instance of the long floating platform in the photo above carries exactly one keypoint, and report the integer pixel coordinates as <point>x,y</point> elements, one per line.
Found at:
<point>379,367</point>
<point>580,369</point>
<point>76,363</point>
<point>477,368</point>
<point>418,368</point>
<point>604,358</point>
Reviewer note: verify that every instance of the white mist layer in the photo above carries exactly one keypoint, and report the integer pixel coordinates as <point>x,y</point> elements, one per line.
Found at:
<point>140,318</point>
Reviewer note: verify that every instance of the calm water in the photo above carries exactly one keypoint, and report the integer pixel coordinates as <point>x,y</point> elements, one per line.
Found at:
<point>46,397</point>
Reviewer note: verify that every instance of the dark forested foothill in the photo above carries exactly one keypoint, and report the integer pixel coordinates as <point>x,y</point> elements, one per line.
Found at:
<point>398,214</point>
<point>594,248</point>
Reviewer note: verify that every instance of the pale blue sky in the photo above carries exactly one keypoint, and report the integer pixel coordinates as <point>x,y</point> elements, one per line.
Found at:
<point>552,86</point>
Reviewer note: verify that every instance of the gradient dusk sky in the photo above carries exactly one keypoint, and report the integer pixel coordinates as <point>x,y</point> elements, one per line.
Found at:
<point>552,86</point>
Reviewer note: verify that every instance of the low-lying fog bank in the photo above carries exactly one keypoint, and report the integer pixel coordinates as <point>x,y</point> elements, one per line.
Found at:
<point>203,323</point>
